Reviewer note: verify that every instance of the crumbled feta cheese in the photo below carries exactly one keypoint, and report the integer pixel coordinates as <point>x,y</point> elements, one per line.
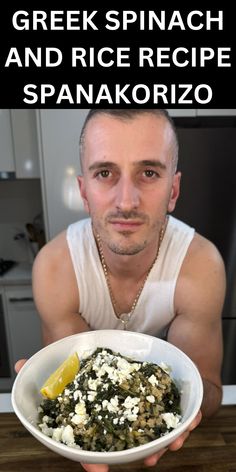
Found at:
<point>45,419</point>
<point>97,407</point>
<point>130,402</point>
<point>150,398</point>
<point>142,388</point>
<point>171,420</point>
<point>80,416</point>
<point>77,394</point>
<point>78,419</point>
<point>153,380</point>
<point>80,408</point>
<point>112,405</point>
<point>91,396</point>
<point>104,404</point>
<point>45,429</point>
<point>57,434</point>
<point>93,383</point>
<point>131,413</point>
<point>132,417</point>
<point>124,365</point>
<point>68,435</point>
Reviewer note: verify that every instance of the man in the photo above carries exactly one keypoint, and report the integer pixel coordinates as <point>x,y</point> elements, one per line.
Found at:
<point>133,265</point>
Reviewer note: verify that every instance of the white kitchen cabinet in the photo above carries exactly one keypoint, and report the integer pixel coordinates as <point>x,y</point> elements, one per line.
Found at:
<point>18,143</point>
<point>7,160</point>
<point>24,133</point>
<point>59,132</point>
<point>23,322</point>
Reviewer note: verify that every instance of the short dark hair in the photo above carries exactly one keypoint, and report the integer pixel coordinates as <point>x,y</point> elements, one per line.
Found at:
<point>129,114</point>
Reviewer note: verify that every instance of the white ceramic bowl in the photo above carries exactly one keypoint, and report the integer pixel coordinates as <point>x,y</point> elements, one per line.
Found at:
<point>26,395</point>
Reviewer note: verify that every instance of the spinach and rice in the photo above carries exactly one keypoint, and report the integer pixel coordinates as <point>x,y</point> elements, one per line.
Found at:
<point>114,403</point>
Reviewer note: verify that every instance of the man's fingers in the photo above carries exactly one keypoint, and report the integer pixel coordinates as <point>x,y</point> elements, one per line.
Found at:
<point>178,443</point>
<point>152,460</point>
<point>95,467</point>
<point>196,421</point>
<point>19,364</point>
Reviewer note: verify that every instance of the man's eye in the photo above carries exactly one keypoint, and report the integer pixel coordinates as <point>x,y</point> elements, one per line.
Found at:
<point>150,173</point>
<point>104,174</point>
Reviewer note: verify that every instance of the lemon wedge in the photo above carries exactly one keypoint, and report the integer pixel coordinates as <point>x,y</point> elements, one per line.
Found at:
<point>62,376</point>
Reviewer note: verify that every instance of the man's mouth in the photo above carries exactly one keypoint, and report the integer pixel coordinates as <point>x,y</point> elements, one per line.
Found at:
<point>125,224</point>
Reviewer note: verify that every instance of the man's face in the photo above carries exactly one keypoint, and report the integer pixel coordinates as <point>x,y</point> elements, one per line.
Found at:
<point>129,182</point>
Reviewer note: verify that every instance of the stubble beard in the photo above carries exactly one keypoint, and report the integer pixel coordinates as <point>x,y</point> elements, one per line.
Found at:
<point>125,247</point>
<point>127,250</point>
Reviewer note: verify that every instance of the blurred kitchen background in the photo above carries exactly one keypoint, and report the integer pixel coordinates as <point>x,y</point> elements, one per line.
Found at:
<point>39,197</point>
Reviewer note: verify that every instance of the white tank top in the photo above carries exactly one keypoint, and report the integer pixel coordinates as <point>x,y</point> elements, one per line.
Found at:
<point>155,308</point>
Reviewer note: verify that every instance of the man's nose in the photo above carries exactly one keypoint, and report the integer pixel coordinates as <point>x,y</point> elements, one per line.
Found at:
<point>127,194</point>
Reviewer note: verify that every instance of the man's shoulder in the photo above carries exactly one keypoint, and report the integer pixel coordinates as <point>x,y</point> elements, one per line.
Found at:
<point>202,279</point>
<point>54,255</point>
<point>202,248</point>
<point>203,260</point>
<point>57,249</point>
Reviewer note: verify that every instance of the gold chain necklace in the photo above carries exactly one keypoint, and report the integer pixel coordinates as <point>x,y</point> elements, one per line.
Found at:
<point>125,317</point>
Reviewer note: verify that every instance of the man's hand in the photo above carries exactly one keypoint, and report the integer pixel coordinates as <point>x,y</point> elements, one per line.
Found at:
<point>19,364</point>
<point>96,467</point>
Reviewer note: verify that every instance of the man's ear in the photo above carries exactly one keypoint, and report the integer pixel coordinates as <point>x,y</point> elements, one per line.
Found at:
<point>80,180</point>
<point>175,190</point>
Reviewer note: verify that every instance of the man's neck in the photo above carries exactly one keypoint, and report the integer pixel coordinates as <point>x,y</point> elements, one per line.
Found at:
<point>134,266</point>
<point>131,266</point>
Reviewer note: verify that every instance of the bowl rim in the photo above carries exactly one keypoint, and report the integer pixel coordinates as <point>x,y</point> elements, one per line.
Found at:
<point>83,454</point>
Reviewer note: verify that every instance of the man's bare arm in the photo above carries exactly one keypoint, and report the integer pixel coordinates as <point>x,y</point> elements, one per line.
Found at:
<point>197,327</point>
<point>55,291</point>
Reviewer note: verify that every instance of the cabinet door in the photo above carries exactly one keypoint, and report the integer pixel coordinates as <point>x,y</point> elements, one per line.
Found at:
<point>24,323</point>
<point>24,132</point>
<point>6,144</point>
<point>59,132</point>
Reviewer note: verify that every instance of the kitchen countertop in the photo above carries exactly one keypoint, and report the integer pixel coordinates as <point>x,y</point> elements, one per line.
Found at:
<point>210,448</point>
<point>20,274</point>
